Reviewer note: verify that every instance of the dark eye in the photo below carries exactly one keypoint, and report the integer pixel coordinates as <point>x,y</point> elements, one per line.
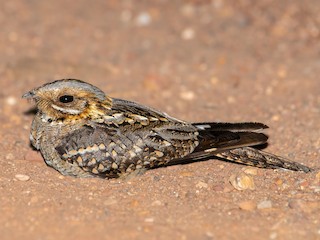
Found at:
<point>66,99</point>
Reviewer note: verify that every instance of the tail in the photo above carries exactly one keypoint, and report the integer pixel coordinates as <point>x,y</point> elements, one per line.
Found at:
<point>253,157</point>
<point>233,142</point>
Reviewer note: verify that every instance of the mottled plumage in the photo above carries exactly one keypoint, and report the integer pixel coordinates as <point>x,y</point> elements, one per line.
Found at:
<point>82,132</point>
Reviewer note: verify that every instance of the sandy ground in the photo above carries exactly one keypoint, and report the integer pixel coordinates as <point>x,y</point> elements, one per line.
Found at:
<point>198,60</point>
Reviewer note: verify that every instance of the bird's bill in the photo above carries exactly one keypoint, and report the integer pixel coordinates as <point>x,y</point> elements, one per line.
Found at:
<point>29,95</point>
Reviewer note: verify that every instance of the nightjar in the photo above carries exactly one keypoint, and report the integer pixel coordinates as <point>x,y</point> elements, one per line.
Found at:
<point>82,132</point>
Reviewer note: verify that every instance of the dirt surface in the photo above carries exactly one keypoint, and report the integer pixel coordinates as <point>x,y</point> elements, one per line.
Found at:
<point>198,60</point>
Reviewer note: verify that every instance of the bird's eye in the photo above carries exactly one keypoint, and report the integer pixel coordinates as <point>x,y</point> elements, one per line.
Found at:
<point>66,99</point>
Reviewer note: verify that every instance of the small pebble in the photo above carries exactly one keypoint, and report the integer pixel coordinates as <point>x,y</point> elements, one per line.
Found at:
<point>282,73</point>
<point>9,156</point>
<point>143,19</point>
<point>22,177</point>
<point>186,174</point>
<point>188,34</point>
<point>242,182</point>
<point>11,101</point>
<point>305,206</point>
<point>273,235</point>
<point>231,99</point>
<point>214,80</point>
<point>303,184</point>
<point>149,220</point>
<point>294,203</point>
<point>269,91</point>
<point>247,205</point>
<point>278,181</point>
<point>275,118</point>
<point>316,189</point>
<point>264,204</point>
<point>187,95</point>
<point>156,203</point>
<point>210,235</point>
<point>221,166</point>
<point>201,184</point>
<point>135,203</point>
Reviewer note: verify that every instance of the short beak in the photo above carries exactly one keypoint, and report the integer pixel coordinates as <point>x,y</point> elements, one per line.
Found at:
<point>29,95</point>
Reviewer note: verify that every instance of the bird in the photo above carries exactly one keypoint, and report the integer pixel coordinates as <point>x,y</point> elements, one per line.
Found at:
<point>82,132</point>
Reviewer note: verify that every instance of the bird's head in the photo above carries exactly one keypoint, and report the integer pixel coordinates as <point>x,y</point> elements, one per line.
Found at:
<point>68,98</point>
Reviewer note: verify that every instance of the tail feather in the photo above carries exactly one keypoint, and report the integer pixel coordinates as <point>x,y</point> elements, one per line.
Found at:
<point>257,158</point>
<point>221,126</point>
<point>229,140</point>
<point>224,136</point>
<point>233,142</point>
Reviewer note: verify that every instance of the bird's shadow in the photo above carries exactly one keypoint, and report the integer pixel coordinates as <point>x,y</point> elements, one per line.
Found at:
<point>31,111</point>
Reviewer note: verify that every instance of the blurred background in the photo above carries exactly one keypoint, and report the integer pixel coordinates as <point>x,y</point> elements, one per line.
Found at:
<point>198,60</point>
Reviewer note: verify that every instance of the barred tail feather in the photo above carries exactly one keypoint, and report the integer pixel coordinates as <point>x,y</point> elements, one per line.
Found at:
<point>257,158</point>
